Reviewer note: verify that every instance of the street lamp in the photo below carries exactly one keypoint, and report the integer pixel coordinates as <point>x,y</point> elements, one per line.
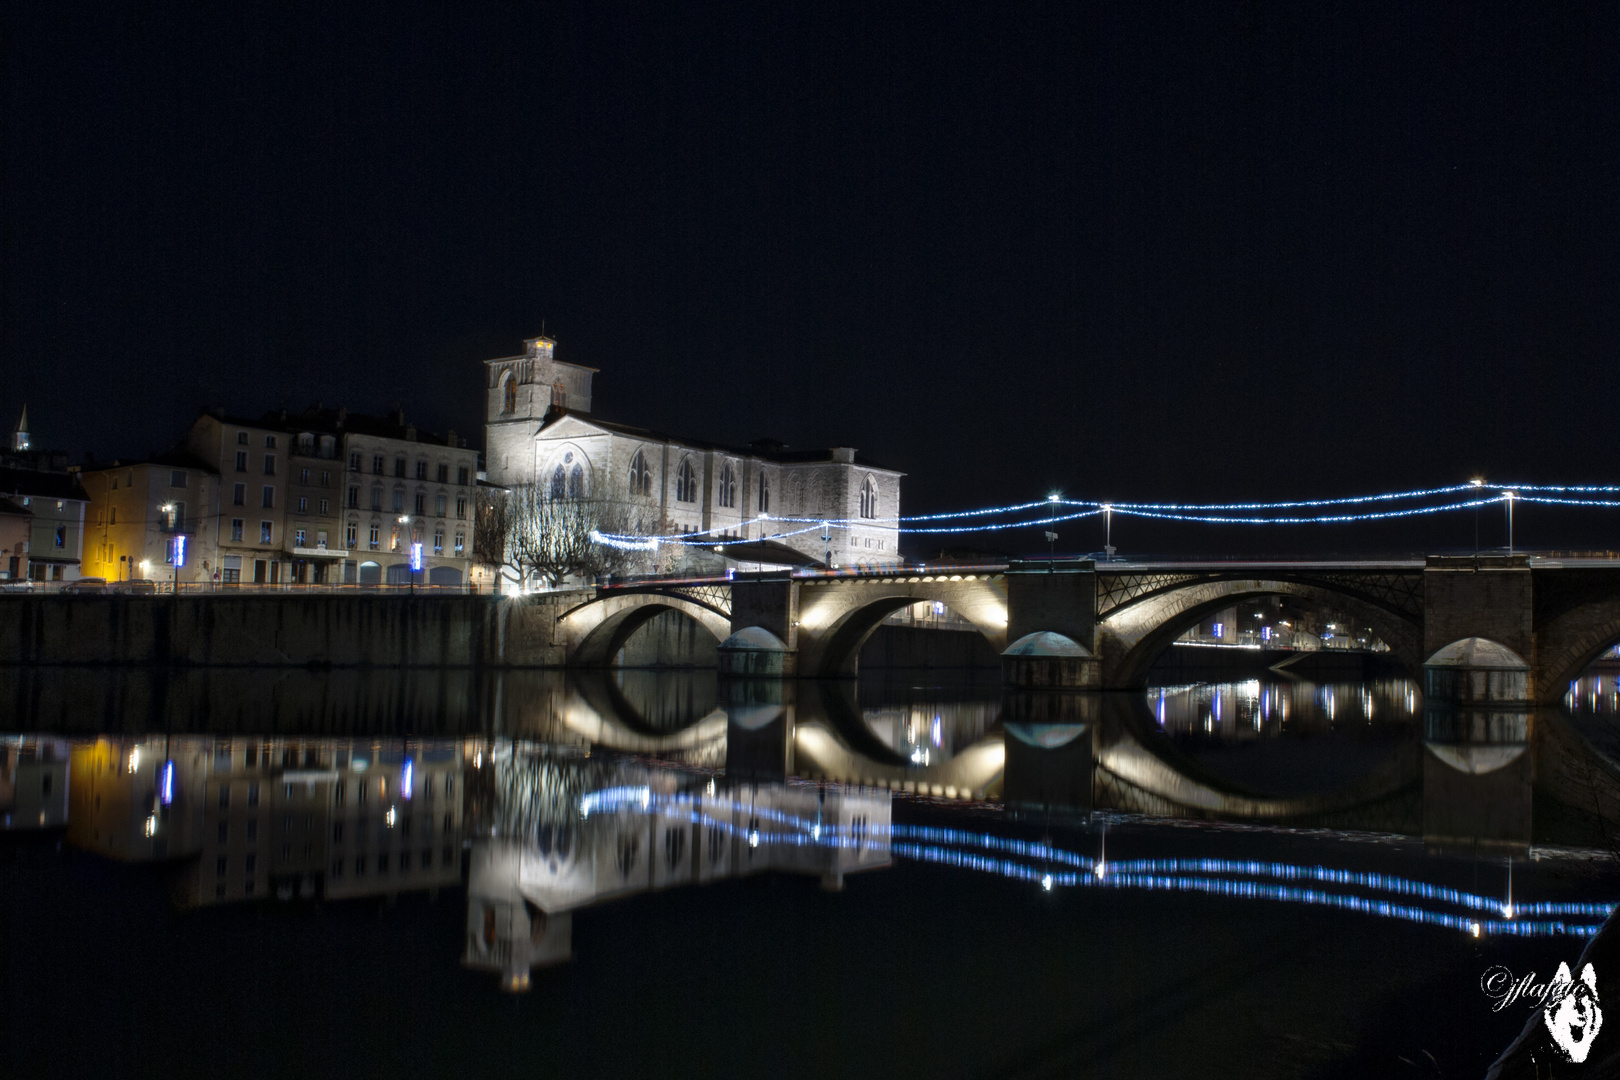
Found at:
<point>826,544</point>
<point>1051,533</point>
<point>415,550</point>
<point>1108,532</point>
<point>1510,496</point>
<point>1477,483</point>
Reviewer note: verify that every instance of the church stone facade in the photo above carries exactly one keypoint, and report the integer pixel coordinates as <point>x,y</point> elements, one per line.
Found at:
<point>540,429</point>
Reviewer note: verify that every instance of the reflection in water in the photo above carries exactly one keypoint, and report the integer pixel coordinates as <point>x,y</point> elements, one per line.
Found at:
<point>1053,868</point>
<point>570,831</point>
<point>1254,710</point>
<point>242,818</point>
<point>33,782</point>
<point>929,733</point>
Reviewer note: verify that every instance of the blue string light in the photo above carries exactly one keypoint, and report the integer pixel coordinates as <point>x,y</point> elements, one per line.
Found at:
<point>1199,513</point>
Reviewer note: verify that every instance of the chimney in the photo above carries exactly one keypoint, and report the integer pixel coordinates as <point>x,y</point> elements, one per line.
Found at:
<point>844,455</point>
<point>410,432</point>
<point>450,437</point>
<point>343,414</point>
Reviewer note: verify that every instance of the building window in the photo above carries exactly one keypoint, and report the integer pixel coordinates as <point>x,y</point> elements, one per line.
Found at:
<point>421,470</point>
<point>177,478</point>
<point>326,478</point>
<point>461,509</point>
<point>354,461</point>
<point>236,529</point>
<point>461,476</point>
<point>239,495</point>
<point>303,504</point>
<point>354,498</point>
<point>421,503</point>
<point>438,541</point>
<point>444,474</point>
<point>399,468</point>
<point>241,461</point>
<point>377,464</point>
<point>298,538</point>
<point>376,537</point>
<point>868,499</point>
<point>764,494</point>
<point>461,542</point>
<point>351,535</point>
<point>112,515</point>
<point>559,396</point>
<point>576,482</point>
<point>264,532</point>
<point>61,536</point>
<point>728,485</point>
<point>438,505</point>
<point>269,496</point>
<point>509,394</point>
<point>241,438</point>
<point>559,482</point>
<point>303,476</point>
<point>323,508</point>
<point>376,498</point>
<point>269,442</point>
<point>399,500</point>
<point>640,475</point>
<point>685,482</point>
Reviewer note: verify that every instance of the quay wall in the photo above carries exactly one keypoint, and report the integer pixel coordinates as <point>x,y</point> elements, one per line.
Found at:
<point>271,630</point>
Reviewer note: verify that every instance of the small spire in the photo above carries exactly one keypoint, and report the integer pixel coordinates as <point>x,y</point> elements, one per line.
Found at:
<point>19,435</point>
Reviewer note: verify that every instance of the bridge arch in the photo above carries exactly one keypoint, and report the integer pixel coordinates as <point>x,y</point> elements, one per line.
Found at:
<point>1567,644</point>
<point>593,632</point>
<point>837,616</point>
<point>1131,637</point>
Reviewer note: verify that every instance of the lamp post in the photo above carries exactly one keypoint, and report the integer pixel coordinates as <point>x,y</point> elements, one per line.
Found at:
<point>1108,532</point>
<point>1477,482</point>
<point>1051,533</point>
<point>411,551</point>
<point>1509,497</point>
<point>826,544</point>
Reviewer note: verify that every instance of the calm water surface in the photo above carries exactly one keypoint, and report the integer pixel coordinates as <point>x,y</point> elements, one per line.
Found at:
<point>274,873</point>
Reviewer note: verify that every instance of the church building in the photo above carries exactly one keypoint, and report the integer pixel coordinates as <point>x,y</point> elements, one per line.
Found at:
<point>540,429</point>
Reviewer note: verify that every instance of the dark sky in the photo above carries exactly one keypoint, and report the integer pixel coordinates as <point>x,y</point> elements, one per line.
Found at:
<point>1135,251</point>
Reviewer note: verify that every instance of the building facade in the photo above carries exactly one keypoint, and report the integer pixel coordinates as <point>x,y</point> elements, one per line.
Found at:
<point>138,513</point>
<point>540,429</point>
<point>330,496</point>
<point>40,488</point>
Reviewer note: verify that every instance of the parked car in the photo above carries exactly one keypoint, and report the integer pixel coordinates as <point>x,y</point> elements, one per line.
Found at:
<point>86,586</point>
<point>16,585</point>
<point>140,587</point>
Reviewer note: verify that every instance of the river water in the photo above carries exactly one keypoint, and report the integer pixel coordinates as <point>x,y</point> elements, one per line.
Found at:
<point>275,873</point>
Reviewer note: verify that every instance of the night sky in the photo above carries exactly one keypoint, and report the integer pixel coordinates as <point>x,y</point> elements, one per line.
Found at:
<point>1132,251</point>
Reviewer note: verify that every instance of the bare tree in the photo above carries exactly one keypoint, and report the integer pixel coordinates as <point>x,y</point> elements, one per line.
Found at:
<point>535,533</point>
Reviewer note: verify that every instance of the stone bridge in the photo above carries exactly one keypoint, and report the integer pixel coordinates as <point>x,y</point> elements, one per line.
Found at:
<point>1558,615</point>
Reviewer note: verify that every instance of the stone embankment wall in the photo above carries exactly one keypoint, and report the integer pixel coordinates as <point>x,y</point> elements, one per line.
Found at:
<point>343,630</point>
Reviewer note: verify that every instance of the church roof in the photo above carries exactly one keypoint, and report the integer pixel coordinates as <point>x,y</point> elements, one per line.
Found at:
<point>767,449</point>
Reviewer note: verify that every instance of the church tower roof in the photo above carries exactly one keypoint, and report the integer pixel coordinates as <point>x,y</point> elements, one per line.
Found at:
<point>19,434</point>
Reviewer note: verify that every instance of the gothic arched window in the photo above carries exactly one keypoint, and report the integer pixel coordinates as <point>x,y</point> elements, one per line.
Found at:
<point>764,494</point>
<point>728,486</point>
<point>509,393</point>
<point>559,396</point>
<point>559,483</point>
<point>868,499</point>
<point>685,482</point>
<point>640,475</point>
<point>576,482</point>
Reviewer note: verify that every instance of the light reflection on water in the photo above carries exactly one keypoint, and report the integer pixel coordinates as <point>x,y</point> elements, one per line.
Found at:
<point>1252,709</point>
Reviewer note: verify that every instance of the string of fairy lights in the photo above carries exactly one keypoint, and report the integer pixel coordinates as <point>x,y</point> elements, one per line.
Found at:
<point>1056,509</point>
